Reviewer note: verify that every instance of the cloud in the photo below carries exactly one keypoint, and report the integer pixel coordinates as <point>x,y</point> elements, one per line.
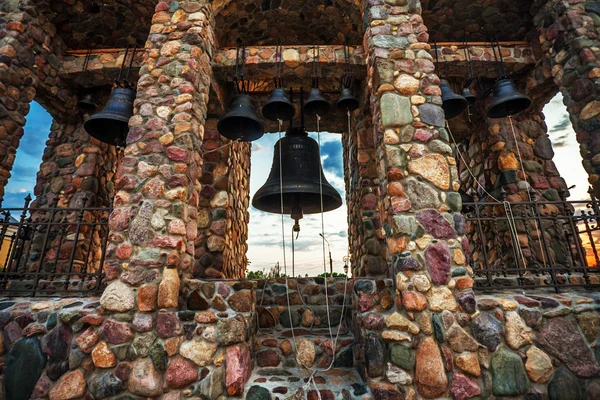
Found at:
<point>564,123</point>
<point>331,154</point>
<point>28,157</point>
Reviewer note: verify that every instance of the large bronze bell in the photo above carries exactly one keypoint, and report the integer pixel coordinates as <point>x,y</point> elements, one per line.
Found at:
<point>452,103</point>
<point>111,125</point>
<point>316,104</point>
<point>301,166</point>
<point>240,122</point>
<point>279,106</point>
<point>506,100</point>
<point>347,101</point>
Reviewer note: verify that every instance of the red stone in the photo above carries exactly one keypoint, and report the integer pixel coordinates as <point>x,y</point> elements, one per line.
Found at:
<point>463,388</point>
<point>178,154</point>
<point>116,332</point>
<point>268,358</point>
<point>437,256</point>
<point>181,373</point>
<point>167,325</point>
<point>239,367</point>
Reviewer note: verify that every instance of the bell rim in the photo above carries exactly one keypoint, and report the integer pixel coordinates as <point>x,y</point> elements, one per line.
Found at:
<point>242,138</point>
<point>464,103</point>
<point>331,201</point>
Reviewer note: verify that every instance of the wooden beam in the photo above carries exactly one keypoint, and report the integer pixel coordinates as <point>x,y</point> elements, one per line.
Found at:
<point>84,52</point>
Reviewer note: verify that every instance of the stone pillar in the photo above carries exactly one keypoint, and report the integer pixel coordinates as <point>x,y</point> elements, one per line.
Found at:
<point>364,221</point>
<point>568,36</point>
<point>419,205</point>
<point>494,158</point>
<point>220,247</point>
<point>153,225</point>
<point>30,52</point>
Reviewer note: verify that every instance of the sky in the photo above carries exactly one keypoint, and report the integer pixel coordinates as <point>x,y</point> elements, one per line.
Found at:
<point>29,157</point>
<point>265,235</point>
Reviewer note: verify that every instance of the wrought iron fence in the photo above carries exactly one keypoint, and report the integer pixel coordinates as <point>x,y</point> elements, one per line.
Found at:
<point>534,244</point>
<point>53,250</point>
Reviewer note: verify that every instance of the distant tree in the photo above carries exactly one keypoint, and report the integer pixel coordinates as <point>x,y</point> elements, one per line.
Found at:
<point>274,272</point>
<point>335,275</point>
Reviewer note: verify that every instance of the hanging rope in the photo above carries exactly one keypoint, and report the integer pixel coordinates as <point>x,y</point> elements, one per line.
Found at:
<point>537,228</point>
<point>507,206</point>
<point>222,147</point>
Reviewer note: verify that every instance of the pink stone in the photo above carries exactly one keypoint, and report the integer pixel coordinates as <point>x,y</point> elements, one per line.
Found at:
<point>167,325</point>
<point>119,219</point>
<point>239,367</point>
<point>87,340</point>
<point>400,204</point>
<point>116,332</point>
<point>365,302</point>
<point>180,373</point>
<point>422,135</point>
<point>178,154</point>
<point>374,321</point>
<point>437,257</point>
<point>463,388</point>
<point>436,225</point>
<point>167,242</point>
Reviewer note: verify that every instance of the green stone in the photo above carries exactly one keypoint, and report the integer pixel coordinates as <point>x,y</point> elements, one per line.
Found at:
<point>148,254</point>
<point>403,356</point>
<point>443,134</point>
<point>564,386</point>
<point>454,201</point>
<point>395,110</point>
<point>63,162</point>
<point>404,225</point>
<point>582,42</point>
<point>532,166</point>
<point>52,321</point>
<point>158,355</point>
<point>372,246</point>
<point>395,157</point>
<point>508,374</point>
<point>258,393</point>
<point>390,42</point>
<point>460,271</point>
<point>438,330</point>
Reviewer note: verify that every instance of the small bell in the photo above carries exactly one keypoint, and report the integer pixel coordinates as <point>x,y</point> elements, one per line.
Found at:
<point>316,104</point>
<point>506,100</point>
<point>241,121</point>
<point>452,103</point>
<point>347,101</point>
<point>88,104</point>
<point>279,106</point>
<point>111,125</point>
<point>470,97</point>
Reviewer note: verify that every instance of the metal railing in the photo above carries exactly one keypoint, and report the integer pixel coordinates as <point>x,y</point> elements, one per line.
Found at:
<point>534,244</point>
<point>52,251</point>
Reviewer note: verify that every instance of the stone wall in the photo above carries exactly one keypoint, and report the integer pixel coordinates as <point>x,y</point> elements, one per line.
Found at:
<point>30,56</point>
<point>408,341</point>
<point>220,247</point>
<point>568,37</point>
<point>60,349</point>
<point>532,346</point>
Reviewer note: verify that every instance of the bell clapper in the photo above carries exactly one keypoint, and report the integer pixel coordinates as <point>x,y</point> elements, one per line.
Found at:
<point>297,215</point>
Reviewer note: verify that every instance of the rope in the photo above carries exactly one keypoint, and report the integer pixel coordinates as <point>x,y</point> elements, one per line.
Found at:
<point>537,229</point>
<point>507,206</point>
<point>222,147</point>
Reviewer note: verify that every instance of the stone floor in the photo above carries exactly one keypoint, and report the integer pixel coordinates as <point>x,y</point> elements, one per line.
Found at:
<point>278,374</point>
<point>289,383</point>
